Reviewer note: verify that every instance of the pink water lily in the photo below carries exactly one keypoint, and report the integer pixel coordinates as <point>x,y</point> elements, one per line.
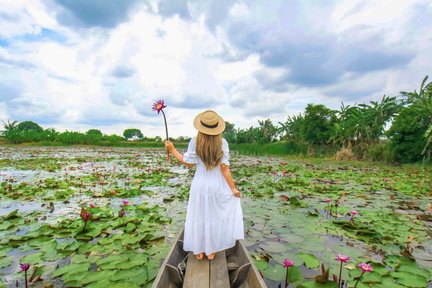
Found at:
<point>365,268</point>
<point>328,200</point>
<point>287,263</point>
<point>125,202</point>
<point>85,216</point>
<point>343,259</point>
<point>353,213</point>
<point>122,213</point>
<point>24,267</point>
<point>92,205</point>
<point>158,106</point>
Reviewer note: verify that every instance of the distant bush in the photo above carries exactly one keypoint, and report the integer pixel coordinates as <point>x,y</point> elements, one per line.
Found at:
<point>381,152</point>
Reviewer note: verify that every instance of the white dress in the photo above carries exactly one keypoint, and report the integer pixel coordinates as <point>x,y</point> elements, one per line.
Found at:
<point>214,218</point>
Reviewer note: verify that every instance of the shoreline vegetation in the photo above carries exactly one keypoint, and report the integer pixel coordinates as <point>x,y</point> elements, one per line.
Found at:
<point>279,149</point>
<point>394,130</point>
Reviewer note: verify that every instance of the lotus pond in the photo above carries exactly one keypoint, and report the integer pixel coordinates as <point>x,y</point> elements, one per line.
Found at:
<point>106,217</point>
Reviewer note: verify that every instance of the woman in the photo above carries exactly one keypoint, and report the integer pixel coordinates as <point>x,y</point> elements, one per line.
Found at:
<point>214,218</point>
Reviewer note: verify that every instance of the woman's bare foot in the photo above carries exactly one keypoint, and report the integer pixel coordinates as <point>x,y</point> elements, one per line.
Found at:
<point>211,256</point>
<point>200,256</point>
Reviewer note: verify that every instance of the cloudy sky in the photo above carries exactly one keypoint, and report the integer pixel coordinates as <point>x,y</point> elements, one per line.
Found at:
<point>80,64</point>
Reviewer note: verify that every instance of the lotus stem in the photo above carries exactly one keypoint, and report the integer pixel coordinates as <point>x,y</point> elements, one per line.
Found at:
<point>25,277</point>
<point>358,280</point>
<point>340,274</point>
<point>166,133</point>
<point>286,278</point>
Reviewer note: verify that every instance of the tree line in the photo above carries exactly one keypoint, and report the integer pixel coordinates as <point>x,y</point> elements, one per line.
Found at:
<point>29,131</point>
<point>394,129</point>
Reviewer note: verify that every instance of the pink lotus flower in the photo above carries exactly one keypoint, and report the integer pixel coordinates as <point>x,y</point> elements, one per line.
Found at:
<point>342,258</point>
<point>85,216</point>
<point>288,263</point>
<point>328,200</point>
<point>159,105</point>
<point>353,213</point>
<point>92,205</point>
<point>25,266</point>
<point>125,202</point>
<point>365,267</point>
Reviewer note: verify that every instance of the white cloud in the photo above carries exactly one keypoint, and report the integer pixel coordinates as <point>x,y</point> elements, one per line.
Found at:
<point>77,79</point>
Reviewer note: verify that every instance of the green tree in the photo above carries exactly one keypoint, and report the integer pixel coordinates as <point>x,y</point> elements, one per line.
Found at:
<point>230,132</point>
<point>93,136</point>
<point>267,131</point>
<point>133,133</point>
<point>421,102</point>
<point>29,126</point>
<point>292,128</point>
<point>407,135</point>
<point>318,124</point>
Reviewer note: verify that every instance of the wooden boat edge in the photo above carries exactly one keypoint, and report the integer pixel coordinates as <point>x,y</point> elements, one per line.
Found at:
<point>255,270</point>
<point>165,262</point>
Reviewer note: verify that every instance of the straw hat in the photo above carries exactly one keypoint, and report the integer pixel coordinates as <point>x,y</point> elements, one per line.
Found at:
<point>209,122</point>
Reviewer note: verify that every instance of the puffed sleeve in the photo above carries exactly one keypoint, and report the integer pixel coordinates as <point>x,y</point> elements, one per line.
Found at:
<point>225,150</point>
<point>190,156</point>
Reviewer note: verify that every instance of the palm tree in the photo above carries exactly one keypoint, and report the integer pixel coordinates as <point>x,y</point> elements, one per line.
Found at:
<point>8,126</point>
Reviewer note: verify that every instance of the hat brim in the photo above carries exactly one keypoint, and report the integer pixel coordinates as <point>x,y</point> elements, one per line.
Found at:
<point>209,131</point>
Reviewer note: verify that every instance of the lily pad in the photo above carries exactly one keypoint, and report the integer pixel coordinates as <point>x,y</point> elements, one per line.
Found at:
<point>310,260</point>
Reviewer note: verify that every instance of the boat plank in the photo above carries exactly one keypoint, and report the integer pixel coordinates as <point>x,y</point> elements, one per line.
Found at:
<point>219,271</point>
<point>197,273</point>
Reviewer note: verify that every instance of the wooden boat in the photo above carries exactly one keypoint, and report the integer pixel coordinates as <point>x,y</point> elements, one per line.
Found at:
<point>230,268</point>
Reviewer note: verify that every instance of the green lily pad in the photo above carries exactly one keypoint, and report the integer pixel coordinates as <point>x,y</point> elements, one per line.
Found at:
<point>5,262</point>
<point>409,280</point>
<point>310,260</point>
<point>314,284</point>
<point>271,246</point>
<point>72,268</point>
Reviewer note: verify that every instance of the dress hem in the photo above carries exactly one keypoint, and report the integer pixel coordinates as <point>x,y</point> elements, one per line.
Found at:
<point>229,246</point>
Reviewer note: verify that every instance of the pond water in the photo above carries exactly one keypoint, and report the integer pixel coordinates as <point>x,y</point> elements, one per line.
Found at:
<point>286,216</point>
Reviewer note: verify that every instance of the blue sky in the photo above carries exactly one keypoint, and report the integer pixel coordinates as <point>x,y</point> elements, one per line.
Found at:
<point>79,64</point>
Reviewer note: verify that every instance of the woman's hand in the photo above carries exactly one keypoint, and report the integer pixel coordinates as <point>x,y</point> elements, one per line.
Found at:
<point>236,192</point>
<point>169,146</point>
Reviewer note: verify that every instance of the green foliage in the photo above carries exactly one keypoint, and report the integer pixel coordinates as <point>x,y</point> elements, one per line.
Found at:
<point>93,136</point>
<point>381,152</point>
<point>318,124</point>
<point>292,128</point>
<point>29,126</point>
<point>230,133</point>
<point>133,133</point>
<point>408,135</point>
<point>421,102</point>
<point>319,131</point>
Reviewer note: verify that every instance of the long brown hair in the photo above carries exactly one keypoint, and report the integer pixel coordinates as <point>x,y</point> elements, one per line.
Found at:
<point>209,149</point>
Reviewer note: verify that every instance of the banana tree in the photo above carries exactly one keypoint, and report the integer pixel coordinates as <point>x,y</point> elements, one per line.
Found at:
<point>422,102</point>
